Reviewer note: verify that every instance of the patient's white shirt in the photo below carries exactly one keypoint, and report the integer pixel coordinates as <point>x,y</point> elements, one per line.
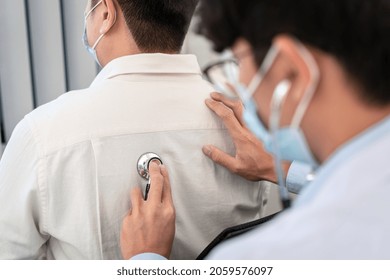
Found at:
<point>67,172</point>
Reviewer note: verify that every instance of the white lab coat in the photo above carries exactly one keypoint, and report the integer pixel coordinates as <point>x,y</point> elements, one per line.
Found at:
<point>343,214</point>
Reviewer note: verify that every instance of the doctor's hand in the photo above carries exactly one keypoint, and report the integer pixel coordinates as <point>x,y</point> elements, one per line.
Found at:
<point>251,161</point>
<point>150,225</point>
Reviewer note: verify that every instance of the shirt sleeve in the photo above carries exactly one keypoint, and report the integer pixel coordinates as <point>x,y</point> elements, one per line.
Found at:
<point>298,176</point>
<point>21,199</point>
<point>148,256</point>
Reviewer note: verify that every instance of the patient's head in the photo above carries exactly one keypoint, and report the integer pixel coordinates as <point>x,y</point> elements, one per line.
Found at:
<point>138,26</point>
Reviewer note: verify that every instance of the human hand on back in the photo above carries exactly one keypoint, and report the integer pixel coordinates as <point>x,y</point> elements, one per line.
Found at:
<point>251,161</point>
<point>150,225</point>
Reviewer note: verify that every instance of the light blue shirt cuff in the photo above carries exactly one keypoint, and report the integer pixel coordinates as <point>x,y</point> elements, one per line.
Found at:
<point>298,176</point>
<point>148,256</point>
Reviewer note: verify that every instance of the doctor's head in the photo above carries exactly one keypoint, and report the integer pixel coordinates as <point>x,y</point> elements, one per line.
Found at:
<point>115,28</point>
<point>325,64</point>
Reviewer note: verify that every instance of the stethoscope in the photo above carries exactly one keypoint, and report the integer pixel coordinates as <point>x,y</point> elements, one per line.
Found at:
<point>143,168</point>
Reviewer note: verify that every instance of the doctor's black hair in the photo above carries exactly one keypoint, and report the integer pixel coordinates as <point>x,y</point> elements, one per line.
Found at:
<point>157,25</point>
<point>355,32</point>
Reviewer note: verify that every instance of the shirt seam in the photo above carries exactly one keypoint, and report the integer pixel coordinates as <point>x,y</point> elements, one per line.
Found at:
<point>41,182</point>
<point>99,233</point>
<point>48,153</point>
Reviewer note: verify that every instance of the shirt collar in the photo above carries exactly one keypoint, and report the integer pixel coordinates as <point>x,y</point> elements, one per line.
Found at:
<point>149,64</point>
<point>342,155</point>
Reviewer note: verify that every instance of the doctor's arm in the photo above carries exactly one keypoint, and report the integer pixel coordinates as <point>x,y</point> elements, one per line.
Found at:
<point>149,228</point>
<point>21,199</point>
<point>251,161</point>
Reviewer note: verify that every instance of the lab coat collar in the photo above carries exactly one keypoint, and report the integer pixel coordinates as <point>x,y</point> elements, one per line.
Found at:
<point>149,64</point>
<point>342,156</point>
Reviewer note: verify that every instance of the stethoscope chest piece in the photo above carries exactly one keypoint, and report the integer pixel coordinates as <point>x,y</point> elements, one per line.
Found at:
<point>143,164</point>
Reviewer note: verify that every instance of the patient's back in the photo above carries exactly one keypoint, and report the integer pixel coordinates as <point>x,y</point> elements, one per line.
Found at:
<point>93,138</point>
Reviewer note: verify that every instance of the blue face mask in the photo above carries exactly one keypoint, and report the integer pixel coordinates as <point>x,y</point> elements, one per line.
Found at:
<point>291,145</point>
<point>91,50</point>
<point>252,121</point>
<point>288,143</point>
<point>254,124</point>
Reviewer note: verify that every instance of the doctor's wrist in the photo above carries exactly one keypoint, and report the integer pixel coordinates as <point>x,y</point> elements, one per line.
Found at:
<point>271,176</point>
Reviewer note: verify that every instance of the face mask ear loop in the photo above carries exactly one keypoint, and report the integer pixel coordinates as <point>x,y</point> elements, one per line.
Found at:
<point>278,99</point>
<point>98,41</point>
<point>102,35</point>
<point>85,23</point>
<point>92,9</point>
<point>310,89</point>
<point>263,69</point>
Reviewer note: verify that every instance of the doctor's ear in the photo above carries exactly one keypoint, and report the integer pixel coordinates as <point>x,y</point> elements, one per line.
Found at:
<point>295,64</point>
<point>109,16</point>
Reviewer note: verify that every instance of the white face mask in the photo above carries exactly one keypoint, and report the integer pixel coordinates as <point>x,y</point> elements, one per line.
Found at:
<point>91,50</point>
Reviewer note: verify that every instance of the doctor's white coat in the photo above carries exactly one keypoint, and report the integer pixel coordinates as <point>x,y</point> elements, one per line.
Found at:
<point>343,214</point>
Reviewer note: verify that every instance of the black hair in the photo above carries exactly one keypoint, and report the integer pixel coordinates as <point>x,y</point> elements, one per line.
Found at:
<point>158,25</point>
<point>355,32</point>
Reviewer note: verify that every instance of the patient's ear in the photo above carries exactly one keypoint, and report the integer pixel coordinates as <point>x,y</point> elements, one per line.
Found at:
<point>109,16</point>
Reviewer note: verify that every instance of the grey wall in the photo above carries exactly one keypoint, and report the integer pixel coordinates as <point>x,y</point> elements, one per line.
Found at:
<point>41,55</point>
<point>15,72</point>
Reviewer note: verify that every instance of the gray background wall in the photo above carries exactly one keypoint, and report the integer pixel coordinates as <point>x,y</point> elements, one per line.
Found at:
<point>41,55</point>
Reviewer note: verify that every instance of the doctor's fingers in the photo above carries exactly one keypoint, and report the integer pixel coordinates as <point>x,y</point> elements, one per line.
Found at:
<point>156,183</point>
<point>167,191</point>
<point>234,104</point>
<point>228,117</point>
<point>136,199</point>
<point>220,157</point>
